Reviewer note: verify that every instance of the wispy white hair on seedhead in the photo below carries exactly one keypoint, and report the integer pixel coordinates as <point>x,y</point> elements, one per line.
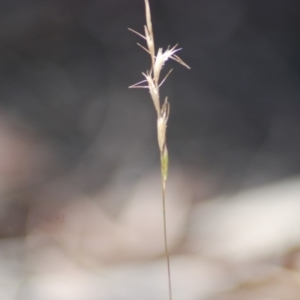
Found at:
<point>157,61</point>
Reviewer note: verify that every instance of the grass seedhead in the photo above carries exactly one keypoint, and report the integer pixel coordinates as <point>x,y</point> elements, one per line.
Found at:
<point>151,82</point>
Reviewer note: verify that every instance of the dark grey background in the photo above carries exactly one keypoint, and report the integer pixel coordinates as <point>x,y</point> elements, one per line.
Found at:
<point>65,68</point>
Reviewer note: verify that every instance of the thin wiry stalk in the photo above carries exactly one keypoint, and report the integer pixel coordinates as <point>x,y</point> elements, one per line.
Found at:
<point>152,83</point>
<point>165,237</point>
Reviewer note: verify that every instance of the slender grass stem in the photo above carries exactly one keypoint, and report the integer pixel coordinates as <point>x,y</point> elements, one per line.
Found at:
<point>166,237</point>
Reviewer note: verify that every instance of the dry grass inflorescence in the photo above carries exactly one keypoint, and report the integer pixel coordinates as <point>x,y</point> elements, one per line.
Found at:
<point>153,83</point>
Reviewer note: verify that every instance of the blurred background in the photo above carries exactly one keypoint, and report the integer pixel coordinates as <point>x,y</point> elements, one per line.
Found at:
<point>80,199</point>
